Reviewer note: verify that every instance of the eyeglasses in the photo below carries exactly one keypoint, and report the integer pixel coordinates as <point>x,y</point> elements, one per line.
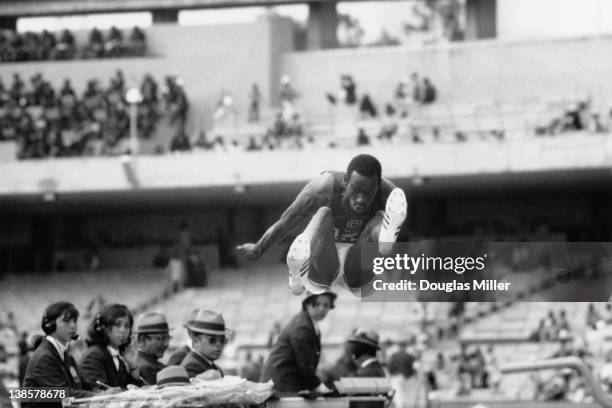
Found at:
<point>161,337</point>
<point>214,340</point>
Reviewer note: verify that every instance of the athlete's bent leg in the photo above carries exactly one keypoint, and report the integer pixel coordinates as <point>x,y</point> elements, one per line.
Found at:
<point>354,275</point>
<point>312,258</point>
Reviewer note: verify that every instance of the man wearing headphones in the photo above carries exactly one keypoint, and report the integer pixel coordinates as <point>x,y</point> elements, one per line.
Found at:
<point>51,365</point>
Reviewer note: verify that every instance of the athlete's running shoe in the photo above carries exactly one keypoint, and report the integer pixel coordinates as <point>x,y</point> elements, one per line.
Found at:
<point>395,214</point>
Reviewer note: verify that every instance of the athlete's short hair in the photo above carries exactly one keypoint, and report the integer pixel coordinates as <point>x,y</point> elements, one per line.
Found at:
<point>366,165</point>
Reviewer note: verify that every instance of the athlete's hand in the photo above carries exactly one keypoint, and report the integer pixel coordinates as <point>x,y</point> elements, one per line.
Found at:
<point>249,250</point>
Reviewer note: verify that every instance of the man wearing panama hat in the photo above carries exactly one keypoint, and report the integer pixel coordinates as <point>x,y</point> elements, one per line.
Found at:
<point>177,357</point>
<point>153,337</point>
<point>292,363</point>
<point>363,346</point>
<point>209,337</point>
<point>172,375</point>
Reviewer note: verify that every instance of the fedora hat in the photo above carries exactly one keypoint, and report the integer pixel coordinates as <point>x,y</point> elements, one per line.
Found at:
<point>208,322</point>
<point>309,296</point>
<point>192,316</point>
<point>367,337</point>
<point>152,322</point>
<point>172,375</point>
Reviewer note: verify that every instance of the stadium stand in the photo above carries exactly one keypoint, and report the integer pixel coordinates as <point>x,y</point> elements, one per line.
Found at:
<point>30,294</point>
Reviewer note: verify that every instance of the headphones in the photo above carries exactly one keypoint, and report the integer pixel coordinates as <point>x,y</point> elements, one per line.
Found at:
<point>48,325</point>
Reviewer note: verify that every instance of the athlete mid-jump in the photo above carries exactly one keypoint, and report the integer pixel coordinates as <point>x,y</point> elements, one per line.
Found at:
<point>338,213</point>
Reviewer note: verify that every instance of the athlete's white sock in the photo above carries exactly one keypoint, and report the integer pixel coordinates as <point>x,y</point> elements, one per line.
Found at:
<point>298,262</point>
<point>396,209</point>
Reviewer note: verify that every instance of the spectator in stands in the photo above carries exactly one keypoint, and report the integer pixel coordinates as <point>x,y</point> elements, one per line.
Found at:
<point>362,138</point>
<point>363,346</point>
<point>402,362</point>
<point>295,128</point>
<point>593,318</point>
<point>429,92</point>
<point>177,357</point>
<point>153,338</point>
<point>180,141</point>
<point>595,124</point>
<point>563,323</point>
<point>367,108</point>
<point>95,48</point>
<point>287,96</point>
<point>48,46</point>
<point>293,360</point>
<point>138,42</point>
<point>252,145</point>
<point>66,46</point>
<point>389,124</point>
<point>209,337</point>
<point>175,100</point>
<point>67,89</point>
<point>109,334</point>
<point>202,141</point>
<point>348,90</point>
<point>51,365</point>
<point>254,103</point>
<point>402,94</point>
<point>113,47</point>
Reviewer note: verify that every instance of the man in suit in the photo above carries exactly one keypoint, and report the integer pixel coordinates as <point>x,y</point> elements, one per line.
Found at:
<point>209,337</point>
<point>177,357</point>
<point>363,346</point>
<point>51,365</point>
<point>153,337</point>
<point>293,361</point>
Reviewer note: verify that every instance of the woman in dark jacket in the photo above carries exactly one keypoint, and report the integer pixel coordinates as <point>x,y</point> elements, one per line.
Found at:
<point>103,363</point>
<point>292,363</point>
<point>51,365</point>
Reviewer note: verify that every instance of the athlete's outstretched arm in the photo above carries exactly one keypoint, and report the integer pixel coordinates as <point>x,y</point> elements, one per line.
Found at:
<point>313,196</point>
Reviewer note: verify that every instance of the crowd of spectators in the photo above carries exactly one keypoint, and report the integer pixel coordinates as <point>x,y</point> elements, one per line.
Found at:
<point>30,46</point>
<point>576,117</point>
<point>552,327</point>
<point>46,122</point>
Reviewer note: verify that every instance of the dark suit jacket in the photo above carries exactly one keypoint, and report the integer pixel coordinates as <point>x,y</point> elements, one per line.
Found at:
<point>196,364</point>
<point>47,369</point>
<point>401,363</point>
<point>148,366</point>
<point>177,357</point>
<point>97,365</point>
<point>374,369</point>
<point>292,363</point>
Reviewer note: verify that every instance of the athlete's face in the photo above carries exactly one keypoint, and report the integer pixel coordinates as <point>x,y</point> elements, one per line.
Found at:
<point>318,308</point>
<point>360,191</point>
